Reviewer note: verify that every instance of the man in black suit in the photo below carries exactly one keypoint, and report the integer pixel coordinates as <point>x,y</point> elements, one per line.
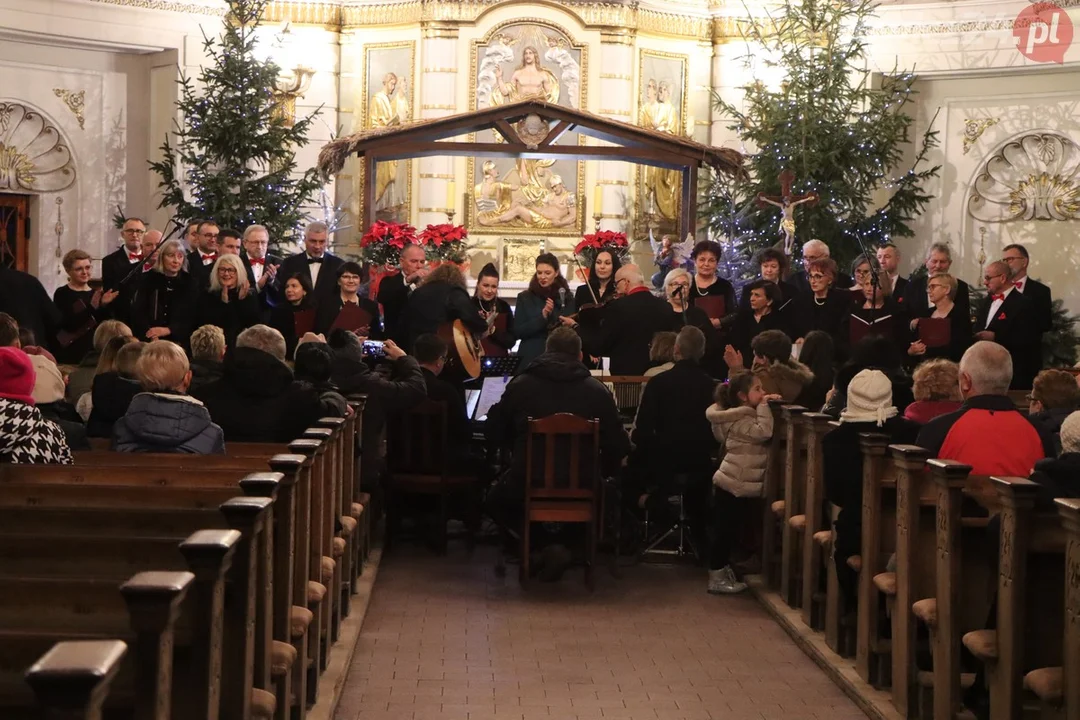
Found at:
<point>630,323</point>
<point>394,290</point>
<point>914,299</point>
<point>1016,257</point>
<point>261,267</point>
<point>888,257</point>
<point>320,266</point>
<point>116,265</point>
<point>816,250</point>
<point>202,257</point>
<point>1007,317</point>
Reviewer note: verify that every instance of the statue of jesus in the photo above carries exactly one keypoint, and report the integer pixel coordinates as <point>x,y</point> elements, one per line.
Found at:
<point>787,215</point>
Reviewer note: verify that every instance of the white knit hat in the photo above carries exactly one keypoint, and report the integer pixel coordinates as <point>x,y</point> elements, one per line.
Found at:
<point>869,398</point>
<point>1070,433</point>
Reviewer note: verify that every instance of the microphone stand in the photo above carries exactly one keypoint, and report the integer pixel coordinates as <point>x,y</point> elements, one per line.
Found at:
<point>137,267</point>
<point>682,301</point>
<point>875,281</point>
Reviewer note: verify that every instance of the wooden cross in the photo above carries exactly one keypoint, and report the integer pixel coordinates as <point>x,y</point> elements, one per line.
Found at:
<point>787,204</point>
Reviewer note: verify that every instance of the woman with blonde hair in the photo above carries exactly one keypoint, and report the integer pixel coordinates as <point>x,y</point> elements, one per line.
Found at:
<point>113,390</point>
<point>106,364</point>
<point>165,300</point>
<point>230,303</point>
<point>82,378</point>
<point>936,390</point>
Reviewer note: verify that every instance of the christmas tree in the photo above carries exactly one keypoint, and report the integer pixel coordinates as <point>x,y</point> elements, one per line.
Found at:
<point>842,130</point>
<point>234,155</point>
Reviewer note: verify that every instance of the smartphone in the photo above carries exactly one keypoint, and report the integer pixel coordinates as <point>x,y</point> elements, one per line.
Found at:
<point>374,348</point>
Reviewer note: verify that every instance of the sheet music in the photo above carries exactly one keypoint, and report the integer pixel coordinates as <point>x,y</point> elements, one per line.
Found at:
<point>491,392</point>
<point>472,397</point>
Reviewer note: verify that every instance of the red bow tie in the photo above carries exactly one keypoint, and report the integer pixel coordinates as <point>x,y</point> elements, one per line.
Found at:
<point>211,256</point>
<point>996,297</point>
<point>134,257</point>
<point>257,261</point>
<point>147,267</point>
<point>1018,284</point>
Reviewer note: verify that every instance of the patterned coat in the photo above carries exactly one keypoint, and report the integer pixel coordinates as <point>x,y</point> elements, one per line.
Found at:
<point>27,438</point>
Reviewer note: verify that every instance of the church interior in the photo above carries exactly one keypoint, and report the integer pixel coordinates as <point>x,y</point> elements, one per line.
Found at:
<point>289,604</point>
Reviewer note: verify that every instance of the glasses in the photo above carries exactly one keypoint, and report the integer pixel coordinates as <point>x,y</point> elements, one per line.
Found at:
<point>226,271</point>
<point>988,278</point>
<point>935,286</point>
<point>620,280</point>
<point>130,231</point>
<point>817,276</point>
<point>812,258</point>
<point>862,273</point>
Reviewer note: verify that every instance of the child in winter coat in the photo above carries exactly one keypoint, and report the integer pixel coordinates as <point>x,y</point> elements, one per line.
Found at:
<point>743,423</point>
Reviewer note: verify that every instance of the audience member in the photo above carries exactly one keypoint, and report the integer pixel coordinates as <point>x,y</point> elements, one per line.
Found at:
<point>229,303</point>
<point>743,424</point>
<point>82,378</point>
<point>257,399</point>
<point>818,354</point>
<point>314,360</point>
<point>106,364</point>
<point>772,362</point>
<point>987,432</point>
<point>539,308</point>
<point>662,352</point>
<point>869,408</point>
<point>1054,396</point>
<point>394,290</point>
<point>430,352</point>
<point>23,297</point>
<point>873,352</point>
<point>81,308</point>
<point>207,356</point>
<point>164,418</point>
<point>114,390</point>
<point>629,324</point>
<point>1060,476</point>
<point>26,438</point>
<point>936,390</point>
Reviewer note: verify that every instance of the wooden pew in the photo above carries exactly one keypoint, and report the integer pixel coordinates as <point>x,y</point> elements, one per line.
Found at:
<point>817,520</point>
<point>73,679</point>
<point>878,494</point>
<point>773,503</point>
<point>793,527</point>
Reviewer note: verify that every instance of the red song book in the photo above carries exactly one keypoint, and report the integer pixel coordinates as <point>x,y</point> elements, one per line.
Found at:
<point>935,332</point>
<point>861,327</point>
<point>354,318</point>
<point>713,305</point>
<point>491,348</point>
<point>303,322</point>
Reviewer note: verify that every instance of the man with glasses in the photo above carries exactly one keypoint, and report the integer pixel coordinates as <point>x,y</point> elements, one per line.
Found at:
<point>1007,318</point>
<point>116,265</point>
<point>629,324</point>
<point>203,255</point>
<point>811,251</point>
<point>1016,257</point>
<point>915,299</point>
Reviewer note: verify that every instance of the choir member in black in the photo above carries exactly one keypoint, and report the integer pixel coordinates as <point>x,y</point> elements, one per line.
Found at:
<point>394,290</point>
<point>442,298</point>
<point>888,257</point>
<point>230,303</point>
<point>816,250</point>
<point>203,256</point>
<point>116,265</point>
<point>707,285</point>
<point>822,307</point>
<point>1017,258</point>
<point>774,266</point>
<point>941,290</point>
<point>81,308</point>
<point>165,301</point>
<point>540,307</point>
<point>677,292</point>
<point>748,324</point>
<point>601,284</point>
<point>499,337</point>
<point>1008,318</point>
<point>316,262</point>
<point>261,267</point>
<point>348,309</point>
<point>938,260</point>
<point>879,313</point>
<point>296,315</point>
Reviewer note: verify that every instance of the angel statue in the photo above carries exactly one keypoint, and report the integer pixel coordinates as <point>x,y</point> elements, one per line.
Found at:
<point>669,255</point>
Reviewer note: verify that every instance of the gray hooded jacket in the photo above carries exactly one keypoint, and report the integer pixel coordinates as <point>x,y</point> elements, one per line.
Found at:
<point>167,423</point>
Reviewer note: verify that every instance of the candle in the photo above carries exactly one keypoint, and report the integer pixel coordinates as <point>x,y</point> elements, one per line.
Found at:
<point>451,191</point>
<point>598,200</point>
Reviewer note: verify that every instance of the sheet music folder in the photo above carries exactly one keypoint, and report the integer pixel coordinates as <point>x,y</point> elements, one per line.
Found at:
<point>861,327</point>
<point>935,332</point>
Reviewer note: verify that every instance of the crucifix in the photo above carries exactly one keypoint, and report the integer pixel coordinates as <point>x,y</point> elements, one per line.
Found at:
<point>787,204</point>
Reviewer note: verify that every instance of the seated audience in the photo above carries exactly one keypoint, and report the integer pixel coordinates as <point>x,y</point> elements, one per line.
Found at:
<point>296,316</point>
<point>1060,476</point>
<point>743,423</point>
<point>772,362</point>
<point>314,359</point>
<point>987,432</point>
<point>430,352</point>
<point>818,354</point>
<point>937,390</point>
<point>556,381</point>
<point>164,418</point>
<point>207,355</point>
<point>230,303</point>
<point>873,352</point>
<point>26,437</point>
<point>869,408</point>
<point>1054,396</point>
<point>661,353</point>
<point>82,378</point>
<point>257,399</point>
<point>106,364</point>
<point>114,390</point>
<point>671,415</point>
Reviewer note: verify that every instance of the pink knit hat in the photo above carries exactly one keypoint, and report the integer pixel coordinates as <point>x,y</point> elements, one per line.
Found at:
<point>17,375</point>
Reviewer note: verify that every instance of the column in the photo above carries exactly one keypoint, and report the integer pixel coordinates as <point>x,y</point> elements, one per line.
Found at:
<point>728,75</point>
<point>438,98</point>
<point>616,101</point>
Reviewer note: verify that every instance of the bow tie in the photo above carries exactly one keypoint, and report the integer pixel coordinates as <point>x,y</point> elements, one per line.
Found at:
<point>147,267</point>
<point>134,257</point>
<point>1018,284</point>
<point>314,260</point>
<point>211,256</point>
<point>256,261</point>
<point>996,297</point>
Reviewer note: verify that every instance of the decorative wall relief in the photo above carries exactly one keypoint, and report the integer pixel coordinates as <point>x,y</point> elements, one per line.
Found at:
<point>33,154</point>
<point>973,130</point>
<point>1033,177</point>
<point>519,258</point>
<point>662,107</point>
<point>515,61</point>
<point>386,100</point>
<point>76,102</point>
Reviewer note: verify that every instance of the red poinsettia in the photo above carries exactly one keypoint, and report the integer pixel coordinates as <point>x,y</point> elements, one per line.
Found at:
<point>383,242</point>
<point>592,243</point>
<point>444,242</point>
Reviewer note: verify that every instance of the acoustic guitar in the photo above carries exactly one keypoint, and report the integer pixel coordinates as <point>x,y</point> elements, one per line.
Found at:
<point>465,350</point>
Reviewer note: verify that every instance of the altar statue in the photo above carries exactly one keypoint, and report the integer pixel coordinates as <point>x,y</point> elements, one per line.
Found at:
<point>661,184</point>
<point>493,197</point>
<point>558,212</point>
<point>389,107</point>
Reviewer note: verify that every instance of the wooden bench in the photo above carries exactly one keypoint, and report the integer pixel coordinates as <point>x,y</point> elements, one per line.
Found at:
<point>773,503</point>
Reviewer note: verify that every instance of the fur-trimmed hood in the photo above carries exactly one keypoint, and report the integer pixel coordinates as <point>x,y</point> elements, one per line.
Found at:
<point>786,378</point>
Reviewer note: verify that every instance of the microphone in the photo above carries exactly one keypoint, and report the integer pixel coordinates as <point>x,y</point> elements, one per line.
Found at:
<point>678,291</point>
<point>562,297</point>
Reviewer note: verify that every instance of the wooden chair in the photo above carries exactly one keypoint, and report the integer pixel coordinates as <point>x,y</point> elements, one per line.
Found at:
<point>562,487</point>
<point>418,462</point>
<point>627,391</point>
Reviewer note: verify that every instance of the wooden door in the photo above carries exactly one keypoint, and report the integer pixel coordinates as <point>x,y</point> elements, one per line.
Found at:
<point>14,230</point>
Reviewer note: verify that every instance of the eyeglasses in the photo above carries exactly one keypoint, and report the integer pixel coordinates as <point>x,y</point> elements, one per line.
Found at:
<point>862,273</point>
<point>817,276</point>
<point>988,278</point>
<point>620,280</point>
<point>131,231</point>
<point>936,286</point>
<point>811,258</point>
<point>224,270</point>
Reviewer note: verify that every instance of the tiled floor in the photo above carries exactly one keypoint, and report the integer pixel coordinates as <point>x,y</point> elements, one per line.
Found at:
<point>444,639</point>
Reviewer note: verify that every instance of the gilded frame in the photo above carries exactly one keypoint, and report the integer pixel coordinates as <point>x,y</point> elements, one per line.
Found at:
<point>365,67</point>
<point>684,108</point>
<point>578,228</point>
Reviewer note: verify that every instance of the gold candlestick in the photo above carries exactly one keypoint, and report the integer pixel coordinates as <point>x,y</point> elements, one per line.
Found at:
<point>597,219</point>
<point>450,215</point>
